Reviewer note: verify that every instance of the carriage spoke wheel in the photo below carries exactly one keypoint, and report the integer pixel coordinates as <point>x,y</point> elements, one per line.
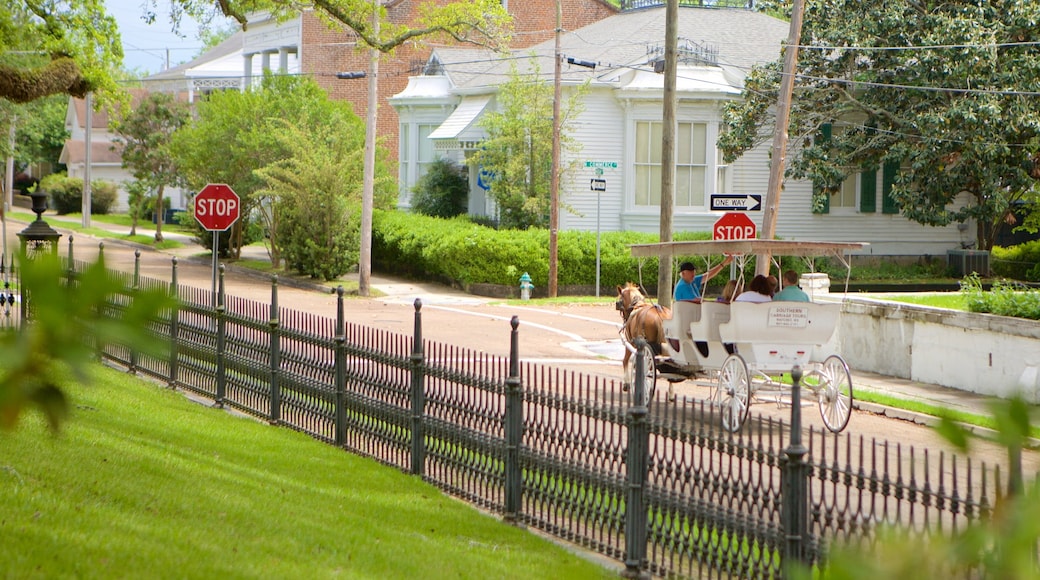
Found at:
<point>835,393</point>
<point>734,393</point>
<point>649,373</point>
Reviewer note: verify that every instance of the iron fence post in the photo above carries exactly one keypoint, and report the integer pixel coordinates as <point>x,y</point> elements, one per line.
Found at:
<point>133,294</point>
<point>221,343</point>
<point>795,486</point>
<point>174,327</point>
<point>275,356</point>
<point>514,426</point>
<point>341,371</point>
<point>636,473</point>
<point>418,395</point>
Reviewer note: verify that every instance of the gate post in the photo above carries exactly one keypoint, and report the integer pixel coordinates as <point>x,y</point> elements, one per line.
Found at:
<point>635,473</point>
<point>221,343</point>
<point>341,371</point>
<point>275,356</point>
<point>418,395</point>
<point>795,486</point>
<point>514,426</point>
<point>174,327</point>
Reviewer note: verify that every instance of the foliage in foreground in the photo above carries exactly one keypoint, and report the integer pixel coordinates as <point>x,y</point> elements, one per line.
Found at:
<point>69,321</point>
<point>1018,262</point>
<point>1002,546</point>
<point>143,483</point>
<point>1005,298</point>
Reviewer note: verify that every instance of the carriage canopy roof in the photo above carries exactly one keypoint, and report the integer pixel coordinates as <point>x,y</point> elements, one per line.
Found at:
<point>738,247</point>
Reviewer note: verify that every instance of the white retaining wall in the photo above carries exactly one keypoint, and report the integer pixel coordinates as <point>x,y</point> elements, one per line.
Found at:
<point>980,353</point>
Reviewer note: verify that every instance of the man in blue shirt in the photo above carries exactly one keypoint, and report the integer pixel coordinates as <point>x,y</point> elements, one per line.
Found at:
<point>690,283</point>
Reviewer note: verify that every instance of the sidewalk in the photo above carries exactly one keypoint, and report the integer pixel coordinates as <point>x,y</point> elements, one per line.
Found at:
<point>400,291</point>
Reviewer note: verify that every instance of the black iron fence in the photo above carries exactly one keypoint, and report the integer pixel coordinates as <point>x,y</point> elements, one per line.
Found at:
<point>661,489</point>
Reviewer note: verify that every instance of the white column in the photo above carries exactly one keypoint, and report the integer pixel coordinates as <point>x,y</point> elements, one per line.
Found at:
<point>283,60</point>
<point>247,69</point>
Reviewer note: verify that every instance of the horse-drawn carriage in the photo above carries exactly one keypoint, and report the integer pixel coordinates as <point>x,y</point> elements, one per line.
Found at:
<point>740,350</point>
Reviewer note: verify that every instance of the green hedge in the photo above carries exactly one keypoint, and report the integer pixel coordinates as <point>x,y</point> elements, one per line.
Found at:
<point>459,251</point>
<point>1019,262</point>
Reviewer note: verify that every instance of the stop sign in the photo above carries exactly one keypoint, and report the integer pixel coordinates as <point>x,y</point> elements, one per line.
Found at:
<point>216,207</point>
<point>734,226</point>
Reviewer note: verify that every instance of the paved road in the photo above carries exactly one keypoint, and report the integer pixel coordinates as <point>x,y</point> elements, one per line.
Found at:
<point>577,337</point>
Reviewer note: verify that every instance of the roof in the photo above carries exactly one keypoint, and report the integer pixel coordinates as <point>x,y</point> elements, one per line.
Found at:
<point>625,42</point>
<point>735,247</point>
<point>101,152</point>
<point>222,60</point>
<point>461,118</point>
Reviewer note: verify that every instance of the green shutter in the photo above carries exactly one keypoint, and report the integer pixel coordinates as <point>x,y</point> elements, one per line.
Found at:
<point>888,177</point>
<point>868,191</point>
<point>823,137</point>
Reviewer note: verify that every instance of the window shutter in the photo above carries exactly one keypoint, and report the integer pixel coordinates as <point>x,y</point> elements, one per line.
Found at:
<point>868,190</point>
<point>823,137</point>
<point>888,177</point>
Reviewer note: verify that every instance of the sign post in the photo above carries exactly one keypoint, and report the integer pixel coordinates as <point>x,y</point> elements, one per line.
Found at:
<point>734,226</point>
<point>216,209</point>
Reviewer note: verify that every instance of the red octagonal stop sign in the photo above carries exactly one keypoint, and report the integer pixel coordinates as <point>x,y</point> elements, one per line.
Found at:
<point>734,226</point>
<point>216,207</point>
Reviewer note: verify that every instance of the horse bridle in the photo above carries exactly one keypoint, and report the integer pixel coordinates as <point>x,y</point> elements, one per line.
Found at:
<point>627,311</point>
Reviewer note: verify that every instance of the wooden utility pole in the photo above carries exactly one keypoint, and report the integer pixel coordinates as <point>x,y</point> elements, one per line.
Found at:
<point>368,179</point>
<point>668,130</point>
<point>554,179</point>
<point>783,120</point>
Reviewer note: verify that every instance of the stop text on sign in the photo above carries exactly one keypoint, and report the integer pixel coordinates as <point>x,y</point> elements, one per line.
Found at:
<point>216,207</point>
<point>734,226</point>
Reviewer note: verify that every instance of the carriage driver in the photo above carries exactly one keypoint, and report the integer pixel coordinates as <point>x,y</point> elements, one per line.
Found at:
<point>690,283</point>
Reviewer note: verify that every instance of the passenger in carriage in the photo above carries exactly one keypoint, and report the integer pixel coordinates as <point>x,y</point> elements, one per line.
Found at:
<point>791,291</point>
<point>773,284</point>
<point>729,291</point>
<point>690,283</point>
<point>758,291</point>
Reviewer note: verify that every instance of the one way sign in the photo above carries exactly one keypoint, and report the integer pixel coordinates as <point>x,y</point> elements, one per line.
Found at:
<point>736,202</point>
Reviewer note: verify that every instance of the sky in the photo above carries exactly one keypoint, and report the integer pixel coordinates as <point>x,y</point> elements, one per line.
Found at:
<point>147,47</point>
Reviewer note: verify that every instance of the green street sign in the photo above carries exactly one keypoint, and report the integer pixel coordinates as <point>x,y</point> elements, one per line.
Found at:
<point>606,164</point>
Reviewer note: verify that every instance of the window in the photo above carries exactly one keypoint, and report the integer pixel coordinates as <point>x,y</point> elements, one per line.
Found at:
<point>691,165</point>
<point>414,156</point>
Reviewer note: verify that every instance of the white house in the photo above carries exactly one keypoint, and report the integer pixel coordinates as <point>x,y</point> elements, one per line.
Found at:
<point>231,65</point>
<point>620,131</point>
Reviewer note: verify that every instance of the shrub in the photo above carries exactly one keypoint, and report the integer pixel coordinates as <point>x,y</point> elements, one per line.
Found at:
<point>443,191</point>
<point>1020,262</point>
<point>459,251</point>
<point>66,194</point>
<point>1004,299</point>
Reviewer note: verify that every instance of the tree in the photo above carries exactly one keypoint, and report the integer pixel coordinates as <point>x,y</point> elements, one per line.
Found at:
<point>442,191</point>
<point>517,151</point>
<point>315,193</point>
<point>247,129</point>
<point>47,48</point>
<point>145,134</point>
<point>928,100</point>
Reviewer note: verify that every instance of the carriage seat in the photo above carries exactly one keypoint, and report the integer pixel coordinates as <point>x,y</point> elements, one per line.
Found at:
<point>779,332</point>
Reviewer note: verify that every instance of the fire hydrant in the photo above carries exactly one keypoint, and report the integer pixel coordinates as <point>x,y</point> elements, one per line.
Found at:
<point>526,286</point>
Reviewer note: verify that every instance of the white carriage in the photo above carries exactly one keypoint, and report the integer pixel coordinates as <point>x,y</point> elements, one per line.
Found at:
<point>742,350</point>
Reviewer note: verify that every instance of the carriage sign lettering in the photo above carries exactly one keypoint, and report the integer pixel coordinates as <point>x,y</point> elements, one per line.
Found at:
<point>789,316</point>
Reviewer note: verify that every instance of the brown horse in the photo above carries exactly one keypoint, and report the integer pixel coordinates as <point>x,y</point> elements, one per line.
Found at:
<point>641,320</point>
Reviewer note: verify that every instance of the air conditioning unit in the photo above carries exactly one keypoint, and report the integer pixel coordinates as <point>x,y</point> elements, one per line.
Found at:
<point>964,262</point>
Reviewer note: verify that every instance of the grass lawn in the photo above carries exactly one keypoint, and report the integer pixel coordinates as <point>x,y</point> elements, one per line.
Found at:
<point>952,300</point>
<point>141,482</point>
<point>74,222</point>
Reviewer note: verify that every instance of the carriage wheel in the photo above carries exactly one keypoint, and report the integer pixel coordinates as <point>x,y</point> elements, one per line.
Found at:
<point>649,372</point>
<point>734,392</point>
<point>835,393</point>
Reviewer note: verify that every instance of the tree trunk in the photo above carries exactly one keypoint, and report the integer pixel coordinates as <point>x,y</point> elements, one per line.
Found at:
<point>160,210</point>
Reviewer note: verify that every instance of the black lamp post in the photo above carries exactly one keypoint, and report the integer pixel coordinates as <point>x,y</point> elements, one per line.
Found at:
<point>39,237</point>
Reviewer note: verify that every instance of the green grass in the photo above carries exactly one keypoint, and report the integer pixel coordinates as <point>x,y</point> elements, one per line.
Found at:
<point>74,222</point>
<point>143,483</point>
<point>951,300</point>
